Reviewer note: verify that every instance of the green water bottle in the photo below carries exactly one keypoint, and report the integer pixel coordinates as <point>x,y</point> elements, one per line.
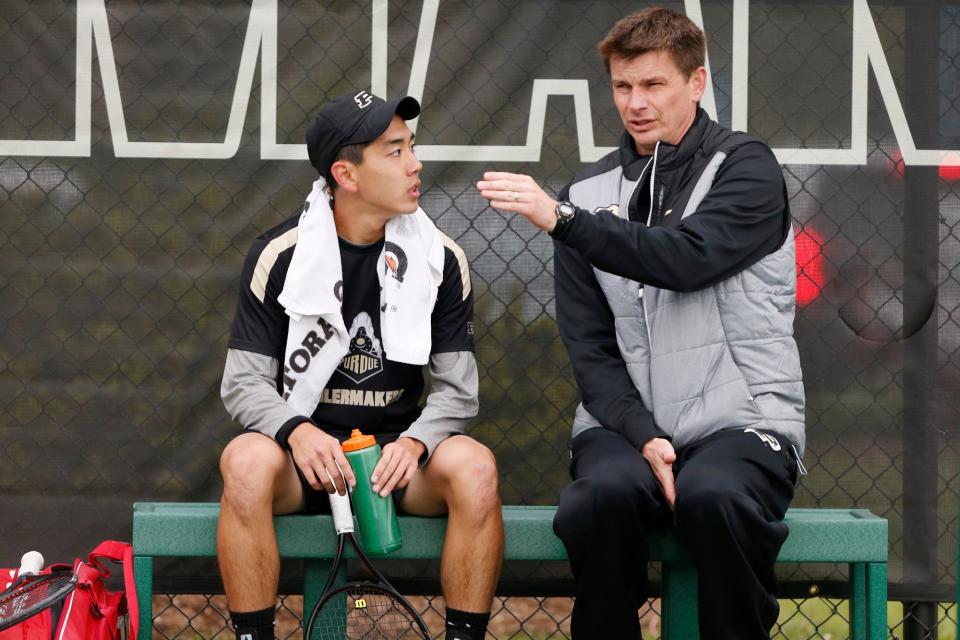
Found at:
<point>376,516</point>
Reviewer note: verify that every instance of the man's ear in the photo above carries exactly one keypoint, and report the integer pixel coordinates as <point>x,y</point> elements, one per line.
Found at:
<point>344,175</point>
<point>698,80</point>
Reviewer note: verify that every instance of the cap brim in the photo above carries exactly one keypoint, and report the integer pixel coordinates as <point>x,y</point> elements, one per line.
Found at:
<point>407,107</point>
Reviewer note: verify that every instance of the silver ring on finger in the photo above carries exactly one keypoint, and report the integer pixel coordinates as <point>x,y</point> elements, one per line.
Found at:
<point>516,196</point>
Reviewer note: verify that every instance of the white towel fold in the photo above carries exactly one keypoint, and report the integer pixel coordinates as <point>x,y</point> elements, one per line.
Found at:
<point>410,270</point>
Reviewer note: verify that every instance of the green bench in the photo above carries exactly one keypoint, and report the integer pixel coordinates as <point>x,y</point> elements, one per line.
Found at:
<point>853,536</point>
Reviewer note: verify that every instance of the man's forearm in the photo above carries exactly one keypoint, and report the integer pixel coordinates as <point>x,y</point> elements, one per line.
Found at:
<point>249,392</point>
<point>587,329</point>
<point>742,218</point>
<point>452,402</point>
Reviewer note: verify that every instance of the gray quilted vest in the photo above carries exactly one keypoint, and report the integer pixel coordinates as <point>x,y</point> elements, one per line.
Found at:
<point>719,358</point>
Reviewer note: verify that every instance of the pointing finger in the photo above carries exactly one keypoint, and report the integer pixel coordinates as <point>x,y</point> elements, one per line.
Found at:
<point>502,175</point>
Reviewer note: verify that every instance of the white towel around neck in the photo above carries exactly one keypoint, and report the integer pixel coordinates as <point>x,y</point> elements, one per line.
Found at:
<point>410,269</point>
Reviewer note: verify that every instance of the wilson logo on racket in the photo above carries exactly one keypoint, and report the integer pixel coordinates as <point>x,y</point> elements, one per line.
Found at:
<point>360,604</point>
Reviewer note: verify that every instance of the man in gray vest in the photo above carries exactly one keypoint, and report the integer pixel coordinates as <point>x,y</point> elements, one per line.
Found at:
<point>675,284</point>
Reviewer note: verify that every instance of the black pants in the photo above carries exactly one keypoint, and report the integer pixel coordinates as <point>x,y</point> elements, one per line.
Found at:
<point>733,489</point>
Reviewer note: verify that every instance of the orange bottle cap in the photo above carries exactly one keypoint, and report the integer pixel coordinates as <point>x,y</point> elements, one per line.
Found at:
<point>358,441</point>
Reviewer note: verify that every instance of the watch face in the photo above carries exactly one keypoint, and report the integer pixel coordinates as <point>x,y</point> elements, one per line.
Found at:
<point>566,210</point>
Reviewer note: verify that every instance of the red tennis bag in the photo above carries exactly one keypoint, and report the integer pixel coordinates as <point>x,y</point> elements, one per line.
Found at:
<point>90,611</point>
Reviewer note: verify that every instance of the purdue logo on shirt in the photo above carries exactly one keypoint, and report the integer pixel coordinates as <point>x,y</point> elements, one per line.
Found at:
<point>364,360</point>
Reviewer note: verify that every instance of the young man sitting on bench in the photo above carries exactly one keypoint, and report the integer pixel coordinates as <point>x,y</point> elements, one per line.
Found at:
<point>340,308</point>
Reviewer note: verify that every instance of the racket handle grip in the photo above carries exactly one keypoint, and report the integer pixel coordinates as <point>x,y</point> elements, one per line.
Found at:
<point>31,562</point>
<point>342,514</point>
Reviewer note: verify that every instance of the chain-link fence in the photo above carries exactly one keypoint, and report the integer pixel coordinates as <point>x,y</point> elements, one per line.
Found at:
<point>125,212</point>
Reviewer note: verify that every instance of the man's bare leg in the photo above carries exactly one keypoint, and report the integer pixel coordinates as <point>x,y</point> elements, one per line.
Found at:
<point>259,480</point>
<point>461,480</point>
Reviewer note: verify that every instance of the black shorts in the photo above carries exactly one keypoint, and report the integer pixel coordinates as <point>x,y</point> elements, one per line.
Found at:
<point>319,502</point>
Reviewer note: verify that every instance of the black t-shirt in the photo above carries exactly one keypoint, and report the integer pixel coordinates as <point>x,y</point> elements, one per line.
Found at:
<point>367,389</point>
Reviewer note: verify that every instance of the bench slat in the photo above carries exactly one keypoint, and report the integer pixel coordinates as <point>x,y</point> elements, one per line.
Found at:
<point>189,529</point>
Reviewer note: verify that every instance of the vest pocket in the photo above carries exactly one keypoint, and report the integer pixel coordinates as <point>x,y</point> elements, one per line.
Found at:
<point>716,399</point>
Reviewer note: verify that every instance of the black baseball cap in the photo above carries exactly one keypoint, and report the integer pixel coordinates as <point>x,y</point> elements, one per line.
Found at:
<point>353,118</point>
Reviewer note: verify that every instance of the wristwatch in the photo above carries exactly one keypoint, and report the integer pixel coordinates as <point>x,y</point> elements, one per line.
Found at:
<point>566,212</point>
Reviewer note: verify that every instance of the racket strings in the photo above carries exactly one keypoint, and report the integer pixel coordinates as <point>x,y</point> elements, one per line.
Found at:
<point>362,612</point>
<point>34,593</point>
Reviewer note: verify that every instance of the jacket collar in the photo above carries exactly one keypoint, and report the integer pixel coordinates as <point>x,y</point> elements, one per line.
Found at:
<point>669,156</point>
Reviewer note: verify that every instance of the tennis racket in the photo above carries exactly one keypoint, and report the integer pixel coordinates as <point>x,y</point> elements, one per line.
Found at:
<point>30,562</point>
<point>370,609</point>
<point>31,592</point>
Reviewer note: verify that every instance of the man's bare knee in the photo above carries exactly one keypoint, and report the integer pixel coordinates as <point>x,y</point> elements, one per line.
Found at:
<point>250,465</point>
<point>469,472</point>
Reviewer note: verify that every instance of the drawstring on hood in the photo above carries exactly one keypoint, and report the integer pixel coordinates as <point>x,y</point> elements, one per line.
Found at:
<point>653,176</point>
